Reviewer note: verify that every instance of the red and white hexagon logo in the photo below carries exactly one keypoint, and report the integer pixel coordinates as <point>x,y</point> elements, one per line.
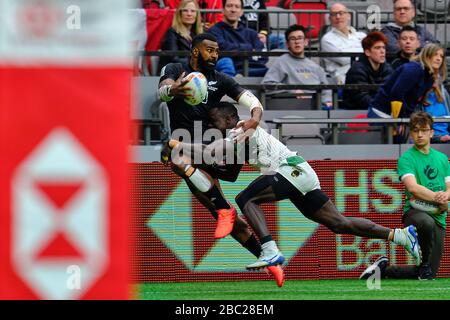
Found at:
<point>60,212</point>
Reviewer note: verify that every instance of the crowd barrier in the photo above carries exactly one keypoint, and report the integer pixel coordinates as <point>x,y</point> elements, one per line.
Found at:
<point>246,55</point>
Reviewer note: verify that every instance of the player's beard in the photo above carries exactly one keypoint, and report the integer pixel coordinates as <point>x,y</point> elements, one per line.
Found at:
<point>205,65</point>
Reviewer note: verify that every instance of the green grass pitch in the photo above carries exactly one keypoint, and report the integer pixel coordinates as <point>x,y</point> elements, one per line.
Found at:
<point>297,290</point>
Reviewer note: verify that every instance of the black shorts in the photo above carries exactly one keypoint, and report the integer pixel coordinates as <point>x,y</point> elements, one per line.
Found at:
<point>228,172</point>
<point>308,204</point>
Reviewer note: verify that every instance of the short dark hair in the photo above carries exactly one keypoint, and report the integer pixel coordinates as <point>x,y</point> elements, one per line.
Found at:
<point>408,28</point>
<point>202,36</point>
<point>420,119</point>
<point>292,28</point>
<point>223,109</point>
<point>372,38</point>
<point>412,2</point>
<point>224,2</point>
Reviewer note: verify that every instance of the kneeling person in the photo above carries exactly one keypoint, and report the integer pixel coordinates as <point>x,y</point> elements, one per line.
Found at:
<point>425,173</point>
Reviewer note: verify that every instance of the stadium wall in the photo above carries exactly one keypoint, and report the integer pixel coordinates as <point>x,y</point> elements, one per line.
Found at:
<point>175,239</point>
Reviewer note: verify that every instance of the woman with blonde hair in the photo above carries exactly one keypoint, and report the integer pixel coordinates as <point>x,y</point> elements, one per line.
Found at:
<point>186,24</point>
<point>407,86</point>
<point>437,100</point>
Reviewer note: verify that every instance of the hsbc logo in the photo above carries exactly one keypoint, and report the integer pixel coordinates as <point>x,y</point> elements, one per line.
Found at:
<point>60,209</point>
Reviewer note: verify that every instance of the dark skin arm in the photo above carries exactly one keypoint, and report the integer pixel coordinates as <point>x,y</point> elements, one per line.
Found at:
<point>213,153</point>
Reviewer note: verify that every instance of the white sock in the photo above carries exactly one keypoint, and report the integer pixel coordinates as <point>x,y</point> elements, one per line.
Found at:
<point>200,181</point>
<point>270,247</point>
<point>399,237</point>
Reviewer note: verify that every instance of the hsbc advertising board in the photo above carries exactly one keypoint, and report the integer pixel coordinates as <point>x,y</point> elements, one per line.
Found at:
<point>64,100</point>
<point>174,227</point>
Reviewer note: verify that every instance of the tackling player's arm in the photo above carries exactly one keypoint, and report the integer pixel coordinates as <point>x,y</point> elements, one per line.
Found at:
<point>217,149</point>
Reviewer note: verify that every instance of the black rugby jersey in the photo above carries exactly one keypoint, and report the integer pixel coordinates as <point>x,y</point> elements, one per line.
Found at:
<point>183,115</point>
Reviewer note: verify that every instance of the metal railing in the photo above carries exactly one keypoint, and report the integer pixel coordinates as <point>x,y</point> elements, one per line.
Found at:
<point>246,55</point>
<point>387,125</point>
<point>358,18</point>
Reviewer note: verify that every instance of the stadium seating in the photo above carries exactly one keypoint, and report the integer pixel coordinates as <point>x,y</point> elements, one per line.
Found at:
<point>280,21</point>
<point>293,134</point>
<point>149,117</point>
<point>434,7</point>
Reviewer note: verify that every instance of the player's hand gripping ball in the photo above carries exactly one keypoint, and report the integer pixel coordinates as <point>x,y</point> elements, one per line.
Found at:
<point>198,86</point>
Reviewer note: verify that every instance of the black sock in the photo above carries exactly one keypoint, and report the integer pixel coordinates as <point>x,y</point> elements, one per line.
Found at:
<point>266,239</point>
<point>217,198</point>
<point>253,246</point>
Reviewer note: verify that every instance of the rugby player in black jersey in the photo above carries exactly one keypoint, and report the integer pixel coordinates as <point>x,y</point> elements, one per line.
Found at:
<point>202,179</point>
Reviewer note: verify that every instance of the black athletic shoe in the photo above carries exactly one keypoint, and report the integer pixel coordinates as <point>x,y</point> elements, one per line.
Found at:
<point>381,263</point>
<point>425,272</point>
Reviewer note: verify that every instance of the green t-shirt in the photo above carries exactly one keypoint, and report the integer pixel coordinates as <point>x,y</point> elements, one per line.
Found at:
<point>430,171</point>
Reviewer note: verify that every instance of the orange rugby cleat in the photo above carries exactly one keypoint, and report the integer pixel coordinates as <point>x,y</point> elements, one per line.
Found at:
<point>225,222</point>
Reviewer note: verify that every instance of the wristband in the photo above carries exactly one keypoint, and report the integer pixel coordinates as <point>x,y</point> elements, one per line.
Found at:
<point>248,99</point>
<point>164,93</point>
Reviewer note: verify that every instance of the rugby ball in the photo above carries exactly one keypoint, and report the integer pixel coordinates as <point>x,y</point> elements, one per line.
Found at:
<point>198,86</point>
<point>424,206</point>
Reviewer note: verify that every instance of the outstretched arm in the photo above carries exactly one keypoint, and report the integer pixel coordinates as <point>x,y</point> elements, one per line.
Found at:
<point>214,153</point>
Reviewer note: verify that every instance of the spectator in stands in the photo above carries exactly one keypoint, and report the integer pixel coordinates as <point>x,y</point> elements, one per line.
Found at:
<point>404,13</point>
<point>294,68</point>
<point>401,93</point>
<point>185,25</point>
<point>153,4</point>
<point>209,19</point>
<point>371,68</point>
<point>257,21</point>
<point>233,35</point>
<point>409,44</point>
<point>341,38</point>
<point>437,103</point>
